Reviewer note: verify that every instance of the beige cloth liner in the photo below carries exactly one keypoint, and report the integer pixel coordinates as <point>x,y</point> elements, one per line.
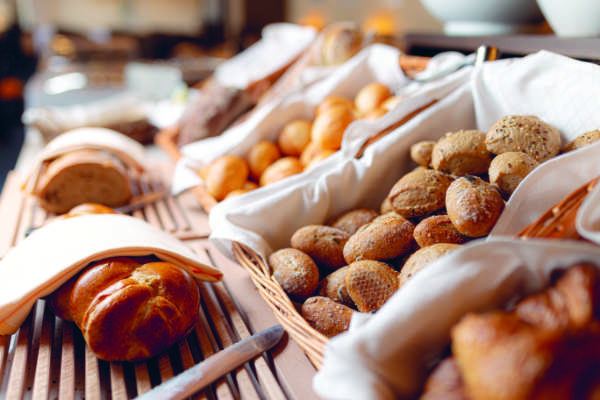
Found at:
<point>52,254</point>
<point>125,148</point>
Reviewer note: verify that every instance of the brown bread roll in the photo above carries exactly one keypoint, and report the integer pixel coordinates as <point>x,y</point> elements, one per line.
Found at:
<point>334,287</point>
<point>352,220</point>
<point>333,101</point>
<point>420,192</point>
<point>260,156</point>
<point>437,229</point>
<point>83,176</point>
<point>582,140</point>
<point>324,244</point>
<point>370,284</point>
<point>508,170</point>
<point>294,137</point>
<point>420,152</point>
<point>524,133</point>
<point>473,205</point>
<point>461,153</point>
<point>422,258</point>
<point>329,127</point>
<point>225,174</point>
<point>326,316</point>
<point>388,236</point>
<point>370,97</point>
<point>296,272</point>
<point>129,309</point>
<point>341,43</point>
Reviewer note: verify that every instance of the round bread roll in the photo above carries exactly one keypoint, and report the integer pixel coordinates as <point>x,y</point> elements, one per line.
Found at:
<point>296,272</point>
<point>524,133</point>
<point>423,257</point>
<point>260,156</point>
<point>281,169</point>
<point>333,101</point>
<point>83,176</point>
<point>370,97</point>
<point>334,287</point>
<point>129,309</point>
<point>420,192</point>
<point>420,152</point>
<point>386,237</point>
<point>386,206</point>
<point>247,187</point>
<point>327,316</point>
<point>226,173</point>
<point>473,205</point>
<point>582,140</point>
<point>370,284</point>
<point>294,137</point>
<point>508,170</point>
<point>437,229</point>
<point>461,153</point>
<point>341,43</point>
<point>324,244</point>
<point>352,220</point>
<point>318,157</point>
<point>329,126</point>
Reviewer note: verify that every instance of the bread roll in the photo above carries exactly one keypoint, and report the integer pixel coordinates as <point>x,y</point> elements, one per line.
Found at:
<point>260,156</point>
<point>370,284</point>
<point>371,97</point>
<point>334,287</point>
<point>296,272</point>
<point>508,170</point>
<point>461,153</point>
<point>437,229</point>
<point>524,133</point>
<point>83,176</point>
<point>329,126</point>
<point>582,140</point>
<point>281,169</point>
<point>341,43</point>
<point>333,101</point>
<point>225,174</point>
<point>294,137</point>
<point>352,220</point>
<point>473,205</point>
<point>129,309</point>
<point>420,152</point>
<point>420,192</point>
<point>326,316</point>
<point>324,244</point>
<point>422,258</point>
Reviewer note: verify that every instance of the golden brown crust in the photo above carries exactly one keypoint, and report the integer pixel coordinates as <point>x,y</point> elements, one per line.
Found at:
<point>473,206</point>
<point>327,316</point>
<point>437,229</point>
<point>461,153</point>
<point>370,284</point>
<point>260,156</point>
<point>370,97</point>
<point>524,133</point>
<point>83,176</point>
<point>420,192</point>
<point>582,140</point>
<point>329,127</point>
<point>129,310</point>
<point>324,244</point>
<point>388,236</point>
<point>420,152</point>
<point>225,174</point>
<point>294,137</point>
<point>508,170</point>
<point>296,272</point>
<point>334,287</point>
<point>352,220</point>
<point>281,169</point>
<point>422,258</point>
<point>445,383</point>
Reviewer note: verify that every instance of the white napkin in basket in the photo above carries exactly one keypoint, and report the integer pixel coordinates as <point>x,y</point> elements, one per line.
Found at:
<point>387,355</point>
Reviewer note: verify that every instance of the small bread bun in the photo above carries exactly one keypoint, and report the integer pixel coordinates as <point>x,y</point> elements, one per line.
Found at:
<point>294,137</point>
<point>296,272</point>
<point>437,229</point>
<point>582,140</point>
<point>341,43</point>
<point>334,287</point>
<point>281,169</point>
<point>370,97</point>
<point>247,187</point>
<point>370,284</point>
<point>391,102</point>
<point>324,244</point>
<point>332,101</point>
<point>329,126</point>
<point>225,174</point>
<point>260,156</point>
<point>423,257</point>
<point>524,133</point>
<point>326,316</point>
<point>473,205</point>
<point>420,152</point>
<point>352,220</point>
<point>461,153</point>
<point>420,192</point>
<point>508,170</point>
<point>318,157</point>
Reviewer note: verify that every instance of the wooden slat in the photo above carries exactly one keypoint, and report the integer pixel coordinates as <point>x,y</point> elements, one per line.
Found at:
<point>12,202</point>
<point>66,387</point>
<point>142,378</point>
<point>92,376</point>
<point>118,386</point>
<point>18,371</point>
<point>4,348</point>
<point>41,382</point>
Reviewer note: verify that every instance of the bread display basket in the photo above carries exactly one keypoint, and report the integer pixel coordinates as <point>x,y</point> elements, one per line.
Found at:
<point>249,228</point>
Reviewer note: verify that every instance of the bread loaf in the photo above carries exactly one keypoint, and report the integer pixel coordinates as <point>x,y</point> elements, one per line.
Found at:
<point>83,176</point>
<point>129,309</point>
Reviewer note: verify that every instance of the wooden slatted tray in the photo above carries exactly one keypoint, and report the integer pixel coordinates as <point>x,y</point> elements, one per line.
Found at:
<point>48,358</point>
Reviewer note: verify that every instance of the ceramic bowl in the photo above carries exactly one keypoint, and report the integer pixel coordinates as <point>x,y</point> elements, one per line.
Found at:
<point>573,18</point>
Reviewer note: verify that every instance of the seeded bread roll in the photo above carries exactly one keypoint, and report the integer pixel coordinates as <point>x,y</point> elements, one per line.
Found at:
<point>352,220</point>
<point>129,309</point>
<point>420,192</point>
<point>334,287</point>
<point>324,244</point>
<point>420,152</point>
<point>327,316</point>
<point>461,153</point>
<point>83,176</point>
<point>296,272</point>
<point>423,257</point>
<point>524,133</point>
<point>508,170</point>
<point>473,205</point>
<point>370,284</point>
<point>582,140</point>
<point>437,229</point>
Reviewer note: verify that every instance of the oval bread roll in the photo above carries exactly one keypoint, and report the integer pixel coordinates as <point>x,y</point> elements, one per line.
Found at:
<point>334,287</point>
<point>461,153</point>
<point>524,133</point>
<point>420,192</point>
<point>294,137</point>
<point>423,257</point>
<point>225,174</point>
<point>370,284</point>
<point>352,220</point>
<point>508,170</point>
<point>324,244</point>
<point>473,205</point>
<point>327,316</point>
<point>281,169</point>
<point>370,97</point>
<point>260,156</point>
<point>582,140</point>
<point>333,101</point>
<point>437,229</point>
<point>328,128</point>
<point>420,152</point>
<point>296,272</point>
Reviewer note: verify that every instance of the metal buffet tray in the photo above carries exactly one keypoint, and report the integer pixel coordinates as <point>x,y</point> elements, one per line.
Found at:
<point>48,359</point>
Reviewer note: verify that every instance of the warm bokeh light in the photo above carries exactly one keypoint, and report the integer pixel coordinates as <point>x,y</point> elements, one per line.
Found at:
<point>381,22</point>
<point>315,19</point>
